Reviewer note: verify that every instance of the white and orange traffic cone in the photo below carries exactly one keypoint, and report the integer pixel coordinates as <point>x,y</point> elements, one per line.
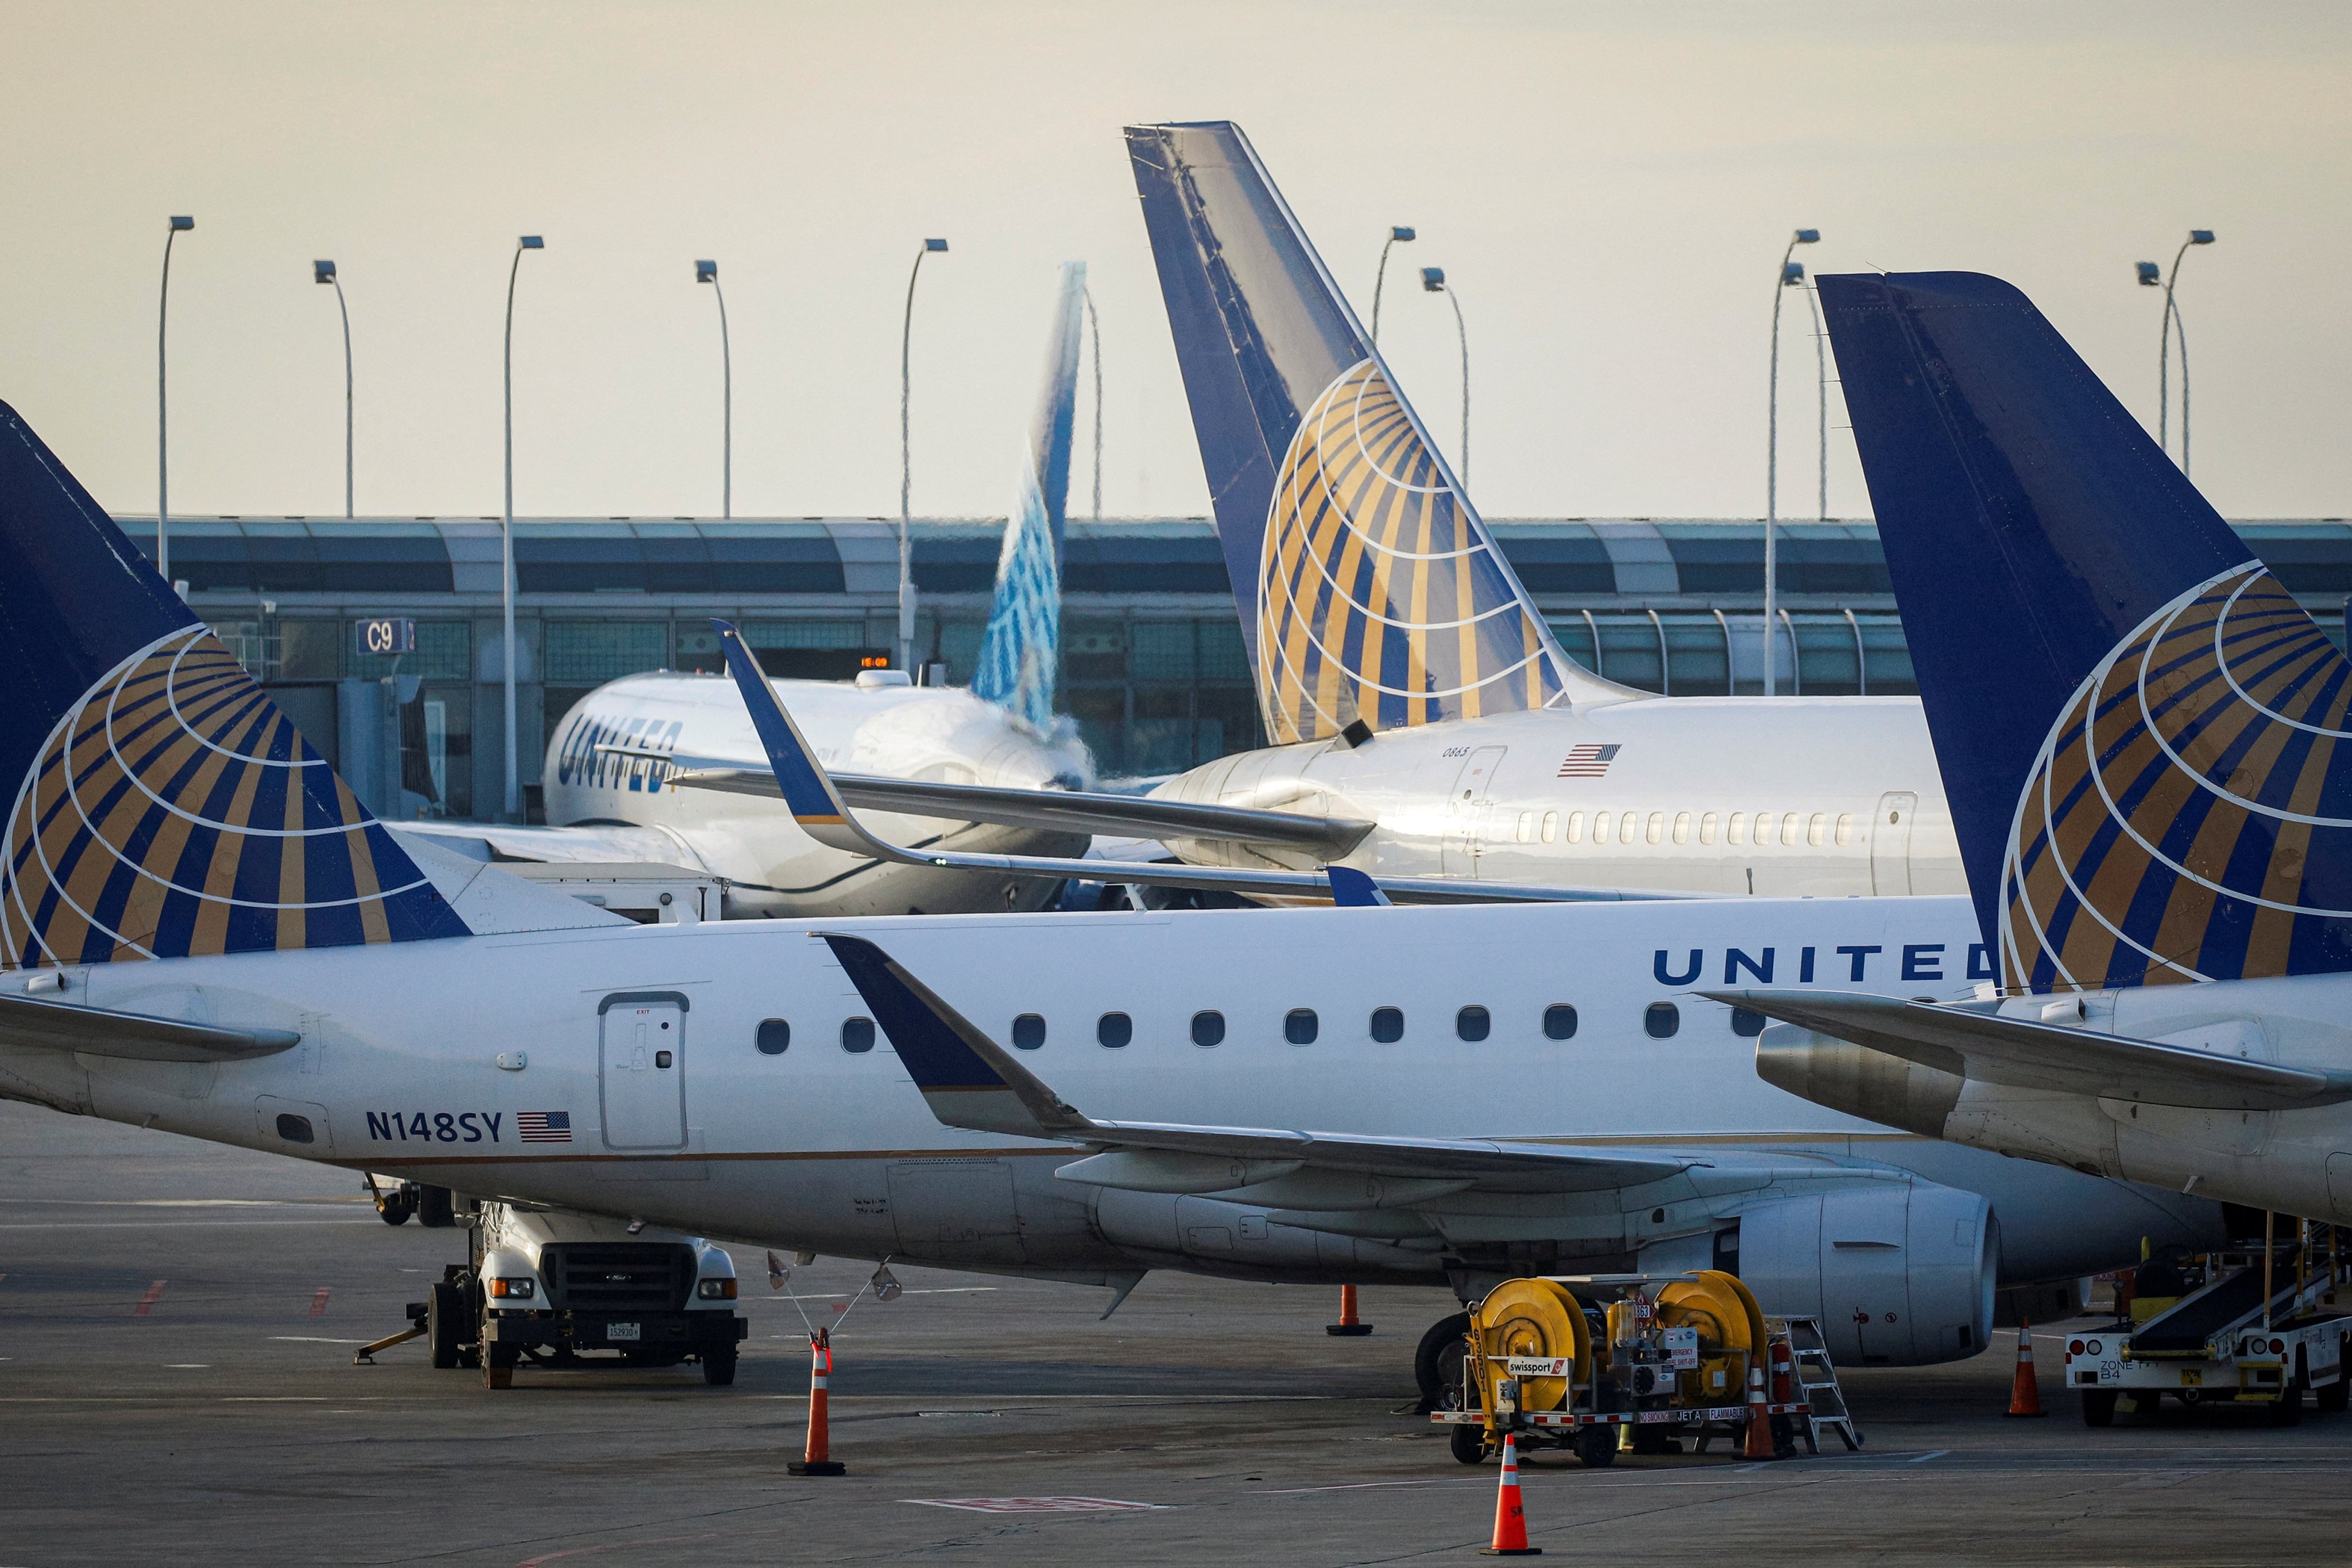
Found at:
<point>1349,1326</point>
<point>1759,1445</point>
<point>1511,1519</point>
<point>2024,1392</point>
<point>817,1459</point>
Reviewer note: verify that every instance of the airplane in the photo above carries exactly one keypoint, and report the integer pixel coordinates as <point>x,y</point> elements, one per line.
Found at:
<point>2145,782</point>
<point>1428,728</point>
<point>203,931</point>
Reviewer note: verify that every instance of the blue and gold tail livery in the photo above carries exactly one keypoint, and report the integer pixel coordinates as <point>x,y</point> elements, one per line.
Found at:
<point>1367,587</point>
<point>1021,651</point>
<point>163,807</point>
<point>2141,733</point>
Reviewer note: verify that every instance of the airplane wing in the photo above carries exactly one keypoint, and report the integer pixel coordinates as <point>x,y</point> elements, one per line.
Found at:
<point>1064,811</point>
<point>600,842</point>
<point>971,1082</point>
<point>2027,1054</point>
<point>44,1025</point>
<point>818,806</point>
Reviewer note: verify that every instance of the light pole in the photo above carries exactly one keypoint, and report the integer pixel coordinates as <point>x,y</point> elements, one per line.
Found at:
<point>1792,276</point>
<point>2171,327</point>
<point>324,272</point>
<point>1821,395</point>
<point>1398,234</point>
<point>1094,332</point>
<point>905,463</point>
<point>163,436</point>
<point>1432,281</point>
<point>707,272</point>
<point>505,540</point>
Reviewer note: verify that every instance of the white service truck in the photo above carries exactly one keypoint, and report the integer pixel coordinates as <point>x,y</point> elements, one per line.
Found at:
<point>553,1287</point>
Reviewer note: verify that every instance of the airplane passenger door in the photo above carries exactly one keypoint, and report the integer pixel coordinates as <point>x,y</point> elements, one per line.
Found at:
<point>1466,810</point>
<point>1890,844</point>
<point>641,1070</point>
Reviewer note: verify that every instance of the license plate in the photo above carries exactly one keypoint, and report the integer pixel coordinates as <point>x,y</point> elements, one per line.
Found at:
<point>622,1331</point>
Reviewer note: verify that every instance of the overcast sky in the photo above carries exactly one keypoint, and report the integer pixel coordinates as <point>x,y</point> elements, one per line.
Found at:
<point>1609,186</point>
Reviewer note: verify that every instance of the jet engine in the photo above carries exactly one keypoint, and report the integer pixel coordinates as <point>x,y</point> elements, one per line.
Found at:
<point>1900,1274</point>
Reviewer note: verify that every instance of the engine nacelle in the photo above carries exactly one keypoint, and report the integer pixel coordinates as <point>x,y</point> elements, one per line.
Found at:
<point>1900,1274</point>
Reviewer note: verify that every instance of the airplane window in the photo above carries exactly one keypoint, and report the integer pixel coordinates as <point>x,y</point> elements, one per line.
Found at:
<point>1298,1025</point>
<point>1550,826</point>
<point>1682,827</point>
<point>1388,1025</point>
<point>1738,834</point>
<point>773,1038</point>
<point>1707,829</point>
<point>1114,1030</point>
<point>1626,827</point>
<point>1790,822</point>
<point>1599,827</point>
<point>1559,1021</point>
<point>856,1036</point>
<point>1763,827</point>
<point>1575,826</point>
<point>1747,1022</point>
<point>296,1129</point>
<point>1208,1029</point>
<point>1844,829</point>
<point>1662,1020</point>
<point>1657,828</point>
<point>1472,1023</point>
<point>1028,1031</point>
<point>1527,827</point>
<point>1815,827</point>
<point>661,1058</point>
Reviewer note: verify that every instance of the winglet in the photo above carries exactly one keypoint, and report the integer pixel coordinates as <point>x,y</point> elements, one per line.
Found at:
<point>966,1078</point>
<point>814,804</point>
<point>1351,889</point>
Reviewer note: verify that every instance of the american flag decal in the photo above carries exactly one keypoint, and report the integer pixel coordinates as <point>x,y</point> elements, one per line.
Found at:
<point>1589,761</point>
<point>544,1126</point>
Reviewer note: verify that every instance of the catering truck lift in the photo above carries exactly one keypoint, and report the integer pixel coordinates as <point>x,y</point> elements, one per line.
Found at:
<point>2248,1329</point>
<point>1593,1363</point>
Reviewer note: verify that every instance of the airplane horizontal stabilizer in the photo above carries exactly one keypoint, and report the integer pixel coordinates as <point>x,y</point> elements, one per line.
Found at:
<point>971,1082</point>
<point>40,1024</point>
<point>2024,1053</point>
<point>817,805</point>
<point>1062,810</point>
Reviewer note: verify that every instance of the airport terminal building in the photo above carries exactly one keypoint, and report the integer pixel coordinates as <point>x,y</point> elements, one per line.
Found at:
<point>1152,666</point>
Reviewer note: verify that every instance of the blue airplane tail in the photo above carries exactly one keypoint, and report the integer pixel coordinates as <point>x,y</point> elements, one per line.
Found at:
<point>1022,650</point>
<point>1368,588</point>
<point>2139,727</point>
<point>161,805</point>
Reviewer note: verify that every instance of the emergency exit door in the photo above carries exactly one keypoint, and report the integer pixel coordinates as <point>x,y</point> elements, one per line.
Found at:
<point>1890,845</point>
<point>641,1070</point>
<point>1467,811</point>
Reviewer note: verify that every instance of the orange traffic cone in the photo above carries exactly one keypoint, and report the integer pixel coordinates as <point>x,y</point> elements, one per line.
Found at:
<point>1759,1421</point>
<point>1349,1326</point>
<point>2024,1393</point>
<point>816,1459</point>
<point>1511,1519</point>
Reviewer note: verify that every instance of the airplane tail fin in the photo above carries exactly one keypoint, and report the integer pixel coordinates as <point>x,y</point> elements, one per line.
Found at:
<point>2139,729</point>
<point>163,806</point>
<point>1368,586</point>
<point>1021,648</point>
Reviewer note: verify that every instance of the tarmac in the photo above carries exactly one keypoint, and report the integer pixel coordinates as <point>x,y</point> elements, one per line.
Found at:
<point>177,1323</point>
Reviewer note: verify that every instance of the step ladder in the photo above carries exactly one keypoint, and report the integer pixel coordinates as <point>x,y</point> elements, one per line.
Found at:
<point>1817,1385</point>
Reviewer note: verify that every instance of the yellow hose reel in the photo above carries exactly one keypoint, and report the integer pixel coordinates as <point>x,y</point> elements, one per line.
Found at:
<point>1532,1318</point>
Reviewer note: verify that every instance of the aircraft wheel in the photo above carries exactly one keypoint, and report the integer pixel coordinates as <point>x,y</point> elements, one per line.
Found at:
<point>1437,1361</point>
<point>395,1208</point>
<point>434,1209</point>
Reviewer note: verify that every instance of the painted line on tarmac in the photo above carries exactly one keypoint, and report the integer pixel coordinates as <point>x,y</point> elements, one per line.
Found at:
<point>183,1202</point>
<point>146,1306</point>
<point>319,1303</point>
<point>314,1339</point>
<point>187,1224</point>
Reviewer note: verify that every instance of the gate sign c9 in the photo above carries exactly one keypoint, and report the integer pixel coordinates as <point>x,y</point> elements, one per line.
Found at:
<point>388,636</point>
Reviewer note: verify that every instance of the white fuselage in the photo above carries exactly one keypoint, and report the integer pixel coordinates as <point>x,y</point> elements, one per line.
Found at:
<point>1846,789</point>
<point>2295,1161</point>
<point>822,1147</point>
<point>608,762</point>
